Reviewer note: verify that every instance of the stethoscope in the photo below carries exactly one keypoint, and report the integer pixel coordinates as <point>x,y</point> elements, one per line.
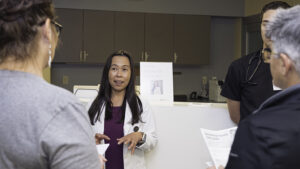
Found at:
<point>248,79</point>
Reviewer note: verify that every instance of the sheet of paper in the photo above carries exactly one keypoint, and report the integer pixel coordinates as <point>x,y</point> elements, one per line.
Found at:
<point>156,79</point>
<point>101,148</point>
<point>275,88</point>
<point>219,144</point>
<point>86,94</point>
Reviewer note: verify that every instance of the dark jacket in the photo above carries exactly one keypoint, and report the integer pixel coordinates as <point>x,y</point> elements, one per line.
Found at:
<point>270,137</point>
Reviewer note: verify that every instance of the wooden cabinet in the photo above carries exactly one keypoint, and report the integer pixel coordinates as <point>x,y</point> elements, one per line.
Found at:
<point>87,36</point>
<point>98,36</point>
<point>158,37</point>
<point>129,34</point>
<point>191,39</point>
<point>70,44</point>
<point>148,37</point>
<point>90,36</point>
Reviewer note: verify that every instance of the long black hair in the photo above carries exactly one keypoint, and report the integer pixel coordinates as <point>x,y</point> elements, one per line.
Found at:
<point>103,98</point>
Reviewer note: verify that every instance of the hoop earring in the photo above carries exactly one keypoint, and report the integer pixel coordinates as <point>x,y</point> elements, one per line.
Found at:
<point>50,55</point>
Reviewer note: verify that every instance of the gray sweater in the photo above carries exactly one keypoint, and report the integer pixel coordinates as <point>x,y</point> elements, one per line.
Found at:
<point>42,126</point>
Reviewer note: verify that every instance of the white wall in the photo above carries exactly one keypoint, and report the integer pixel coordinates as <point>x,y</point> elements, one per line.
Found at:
<point>201,7</point>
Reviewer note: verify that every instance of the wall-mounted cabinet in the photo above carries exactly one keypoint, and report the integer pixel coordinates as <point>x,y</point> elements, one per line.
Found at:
<point>129,34</point>
<point>90,36</point>
<point>98,36</point>
<point>159,37</point>
<point>191,39</point>
<point>87,36</point>
<point>71,40</point>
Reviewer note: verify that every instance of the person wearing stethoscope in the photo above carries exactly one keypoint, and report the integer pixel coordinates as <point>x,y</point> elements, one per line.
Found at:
<point>120,117</point>
<point>248,81</point>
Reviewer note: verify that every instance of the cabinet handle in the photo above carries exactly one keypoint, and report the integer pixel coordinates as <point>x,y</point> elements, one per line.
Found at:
<point>146,56</point>
<point>80,56</point>
<point>142,56</point>
<point>175,57</point>
<point>85,55</point>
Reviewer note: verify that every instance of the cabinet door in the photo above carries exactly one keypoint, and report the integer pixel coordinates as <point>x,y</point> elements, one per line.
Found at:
<point>98,35</point>
<point>70,43</point>
<point>159,37</point>
<point>191,39</point>
<point>129,34</point>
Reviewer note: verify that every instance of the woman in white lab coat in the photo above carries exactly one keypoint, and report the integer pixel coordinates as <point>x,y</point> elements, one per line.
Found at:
<point>120,118</point>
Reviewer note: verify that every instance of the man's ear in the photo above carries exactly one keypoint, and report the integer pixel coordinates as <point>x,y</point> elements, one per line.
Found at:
<point>286,63</point>
<point>46,30</point>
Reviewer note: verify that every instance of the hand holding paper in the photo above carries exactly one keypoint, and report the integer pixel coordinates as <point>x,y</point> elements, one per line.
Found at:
<point>102,160</point>
<point>101,148</point>
<point>219,144</point>
<point>213,167</point>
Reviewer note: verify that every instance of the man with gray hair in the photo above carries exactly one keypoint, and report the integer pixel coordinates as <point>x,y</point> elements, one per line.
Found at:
<point>270,137</point>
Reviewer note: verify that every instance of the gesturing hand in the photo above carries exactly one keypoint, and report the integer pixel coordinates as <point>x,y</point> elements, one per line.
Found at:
<point>102,160</point>
<point>213,167</point>
<point>132,139</point>
<point>100,137</point>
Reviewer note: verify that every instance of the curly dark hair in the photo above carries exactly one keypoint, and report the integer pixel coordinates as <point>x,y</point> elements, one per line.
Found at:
<point>19,20</point>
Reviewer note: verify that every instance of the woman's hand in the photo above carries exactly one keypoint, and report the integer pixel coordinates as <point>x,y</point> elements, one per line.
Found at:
<point>102,160</point>
<point>132,139</point>
<point>213,167</point>
<point>100,137</point>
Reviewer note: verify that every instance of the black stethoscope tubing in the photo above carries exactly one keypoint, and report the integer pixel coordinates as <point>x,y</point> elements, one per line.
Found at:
<point>255,70</point>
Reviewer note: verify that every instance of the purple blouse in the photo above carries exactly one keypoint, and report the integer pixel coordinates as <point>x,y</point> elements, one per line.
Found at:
<point>114,130</point>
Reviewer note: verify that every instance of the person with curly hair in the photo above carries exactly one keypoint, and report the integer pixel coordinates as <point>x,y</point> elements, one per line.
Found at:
<point>41,126</point>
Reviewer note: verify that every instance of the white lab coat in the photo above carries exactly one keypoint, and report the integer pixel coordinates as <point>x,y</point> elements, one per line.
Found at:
<point>137,160</point>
